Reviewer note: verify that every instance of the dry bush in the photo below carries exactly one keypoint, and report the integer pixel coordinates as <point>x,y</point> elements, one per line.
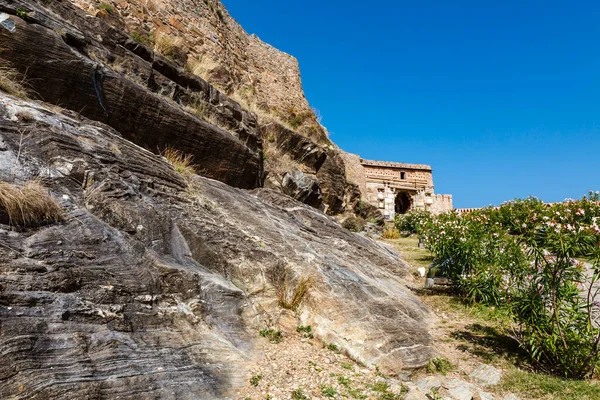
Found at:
<point>29,206</point>
<point>391,233</point>
<point>169,46</point>
<point>181,162</point>
<point>11,82</point>
<point>289,296</point>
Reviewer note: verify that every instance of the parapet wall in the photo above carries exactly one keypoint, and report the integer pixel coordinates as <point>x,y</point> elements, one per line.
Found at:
<point>441,203</point>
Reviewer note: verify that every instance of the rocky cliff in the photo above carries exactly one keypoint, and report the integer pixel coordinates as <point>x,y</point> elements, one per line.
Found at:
<point>203,36</point>
<point>154,284</point>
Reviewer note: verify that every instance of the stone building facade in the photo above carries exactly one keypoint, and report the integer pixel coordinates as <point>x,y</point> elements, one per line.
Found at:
<point>396,188</point>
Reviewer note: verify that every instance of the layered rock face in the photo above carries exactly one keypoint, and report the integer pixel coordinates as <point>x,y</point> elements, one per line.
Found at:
<point>90,65</point>
<point>223,52</point>
<point>154,287</point>
<point>66,55</point>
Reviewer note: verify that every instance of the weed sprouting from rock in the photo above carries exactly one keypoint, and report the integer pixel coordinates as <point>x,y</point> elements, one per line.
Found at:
<point>290,296</point>
<point>333,347</point>
<point>181,162</point>
<point>298,394</point>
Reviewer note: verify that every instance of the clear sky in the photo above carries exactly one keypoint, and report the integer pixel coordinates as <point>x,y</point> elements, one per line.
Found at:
<point>501,98</point>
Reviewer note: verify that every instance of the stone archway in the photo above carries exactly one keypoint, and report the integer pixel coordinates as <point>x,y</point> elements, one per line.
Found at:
<point>403,203</point>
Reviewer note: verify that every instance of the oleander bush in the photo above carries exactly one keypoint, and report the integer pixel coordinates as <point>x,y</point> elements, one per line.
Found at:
<point>539,261</point>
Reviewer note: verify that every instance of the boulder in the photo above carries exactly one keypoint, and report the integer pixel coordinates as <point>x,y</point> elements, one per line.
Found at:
<point>486,375</point>
<point>303,188</point>
<point>339,194</point>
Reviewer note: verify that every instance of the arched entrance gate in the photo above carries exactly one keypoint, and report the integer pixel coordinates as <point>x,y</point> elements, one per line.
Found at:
<point>403,203</point>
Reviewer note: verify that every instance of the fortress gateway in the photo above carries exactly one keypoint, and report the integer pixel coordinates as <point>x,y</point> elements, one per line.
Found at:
<point>396,188</point>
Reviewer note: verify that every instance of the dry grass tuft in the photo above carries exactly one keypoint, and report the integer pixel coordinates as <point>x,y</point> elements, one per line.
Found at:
<point>201,66</point>
<point>181,162</point>
<point>29,206</point>
<point>11,82</point>
<point>391,233</point>
<point>168,46</point>
<point>289,298</point>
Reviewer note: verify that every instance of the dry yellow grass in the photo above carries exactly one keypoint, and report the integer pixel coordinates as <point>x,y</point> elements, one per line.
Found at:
<point>298,293</point>
<point>391,233</point>
<point>201,66</point>
<point>289,298</point>
<point>29,206</point>
<point>181,162</point>
<point>168,46</point>
<point>11,82</point>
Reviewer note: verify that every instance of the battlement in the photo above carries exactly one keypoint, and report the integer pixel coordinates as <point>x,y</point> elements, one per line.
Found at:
<point>395,165</point>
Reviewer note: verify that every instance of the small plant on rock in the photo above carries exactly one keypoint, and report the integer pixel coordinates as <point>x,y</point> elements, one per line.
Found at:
<point>328,391</point>
<point>108,8</point>
<point>290,296</point>
<point>273,335</point>
<point>307,330</point>
<point>22,13</point>
<point>298,394</point>
<point>439,365</point>
<point>347,365</point>
<point>354,224</point>
<point>255,380</point>
<point>143,38</point>
<point>169,46</point>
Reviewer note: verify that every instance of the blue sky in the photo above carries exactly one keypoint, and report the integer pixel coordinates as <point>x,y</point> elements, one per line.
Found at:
<point>502,99</point>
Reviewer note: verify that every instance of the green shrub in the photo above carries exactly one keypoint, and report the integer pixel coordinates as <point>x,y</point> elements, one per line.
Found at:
<point>306,330</point>
<point>413,221</point>
<point>22,13</point>
<point>333,347</point>
<point>523,256</point>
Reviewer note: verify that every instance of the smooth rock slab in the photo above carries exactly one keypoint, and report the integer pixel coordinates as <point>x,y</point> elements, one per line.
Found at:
<point>486,375</point>
<point>430,382</point>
